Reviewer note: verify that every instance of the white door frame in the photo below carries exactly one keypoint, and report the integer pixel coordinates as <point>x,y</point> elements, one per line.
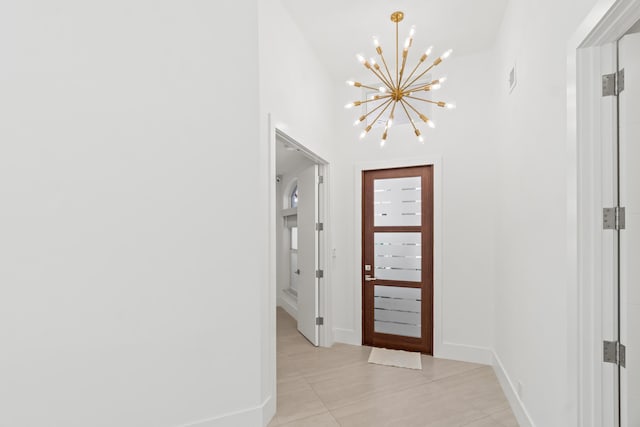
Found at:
<point>440,348</point>
<point>324,294</point>
<point>590,137</point>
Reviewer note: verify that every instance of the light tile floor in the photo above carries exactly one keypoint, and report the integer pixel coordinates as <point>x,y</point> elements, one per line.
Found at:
<point>322,387</point>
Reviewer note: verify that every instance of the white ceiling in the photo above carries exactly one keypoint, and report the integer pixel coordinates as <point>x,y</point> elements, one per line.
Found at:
<point>338,29</point>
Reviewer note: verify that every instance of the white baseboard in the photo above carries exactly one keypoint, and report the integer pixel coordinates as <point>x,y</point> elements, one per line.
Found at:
<point>346,336</point>
<point>268,411</point>
<point>257,416</point>
<point>289,305</point>
<point>519,410</point>
<point>464,353</point>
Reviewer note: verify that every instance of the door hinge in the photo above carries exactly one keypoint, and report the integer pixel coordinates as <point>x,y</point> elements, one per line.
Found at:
<point>319,321</point>
<point>613,84</point>
<point>320,179</point>
<point>319,226</point>
<point>613,218</point>
<point>319,274</point>
<point>614,352</point>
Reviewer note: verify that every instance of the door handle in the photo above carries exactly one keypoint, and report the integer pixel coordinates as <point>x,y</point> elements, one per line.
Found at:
<point>368,278</point>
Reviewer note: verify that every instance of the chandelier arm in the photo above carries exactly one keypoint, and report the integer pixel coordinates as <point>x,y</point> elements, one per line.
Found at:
<point>393,110</point>
<point>414,71</point>
<point>384,62</point>
<point>375,109</point>
<point>416,111</point>
<point>423,100</point>
<point>402,102</point>
<point>382,79</point>
<point>405,54</point>
<point>383,110</point>
<point>419,87</point>
<point>418,78</point>
<point>369,87</point>
<point>378,98</point>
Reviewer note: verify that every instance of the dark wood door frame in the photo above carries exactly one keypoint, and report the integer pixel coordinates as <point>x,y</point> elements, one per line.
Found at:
<point>424,344</point>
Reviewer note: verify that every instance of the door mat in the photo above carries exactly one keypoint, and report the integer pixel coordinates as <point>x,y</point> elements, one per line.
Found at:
<point>398,358</point>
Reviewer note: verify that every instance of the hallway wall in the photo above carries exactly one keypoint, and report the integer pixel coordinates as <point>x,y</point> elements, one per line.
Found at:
<point>296,92</point>
<point>533,332</point>
<point>119,284</point>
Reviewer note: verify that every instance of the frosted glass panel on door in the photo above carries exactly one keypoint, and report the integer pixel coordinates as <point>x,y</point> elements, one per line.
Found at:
<point>397,310</point>
<point>398,256</point>
<point>397,202</point>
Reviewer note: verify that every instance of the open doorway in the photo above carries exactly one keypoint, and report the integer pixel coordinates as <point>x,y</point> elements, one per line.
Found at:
<point>300,242</point>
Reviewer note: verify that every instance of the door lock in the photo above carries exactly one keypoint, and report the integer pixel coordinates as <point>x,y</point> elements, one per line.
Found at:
<point>368,278</point>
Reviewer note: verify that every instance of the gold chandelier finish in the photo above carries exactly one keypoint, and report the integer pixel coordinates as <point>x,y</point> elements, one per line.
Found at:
<point>399,90</point>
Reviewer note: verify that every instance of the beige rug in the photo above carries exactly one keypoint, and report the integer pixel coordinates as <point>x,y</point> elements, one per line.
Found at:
<point>399,358</point>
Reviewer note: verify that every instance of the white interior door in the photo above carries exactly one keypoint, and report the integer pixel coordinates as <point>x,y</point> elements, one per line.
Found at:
<point>629,169</point>
<point>308,253</point>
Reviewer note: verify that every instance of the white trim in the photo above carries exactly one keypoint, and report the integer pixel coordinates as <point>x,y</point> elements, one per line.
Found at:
<point>256,416</point>
<point>517,406</point>
<point>324,309</point>
<point>436,162</point>
<point>288,304</point>
<point>586,268</point>
<point>347,336</point>
<point>269,377</point>
<point>465,353</point>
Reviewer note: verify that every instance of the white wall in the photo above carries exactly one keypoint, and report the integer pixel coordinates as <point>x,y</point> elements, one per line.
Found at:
<point>532,308</point>
<point>294,86</point>
<point>463,140</point>
<point>120,286</point>
<point>296,93</point>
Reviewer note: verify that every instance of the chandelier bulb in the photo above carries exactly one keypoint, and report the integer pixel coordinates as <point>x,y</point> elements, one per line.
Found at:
<point>350,105</point>
<point>389,123</point>
<point>412,31</point>
<point>450,106</point>
<point>351,83</point>
<point>421,139</point>
<point>382,143</point>
<point>382,89</point>
<point>363,134</point>
<point>428,51</point>
<point>442,79</point>
<point>407,43</point>
<point>435,86</point>
<point>361,59</point>
<point>376,42</point>
<point>431,124</point>
<point>447,54</point>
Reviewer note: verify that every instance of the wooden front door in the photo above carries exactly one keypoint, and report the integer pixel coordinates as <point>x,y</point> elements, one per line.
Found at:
<point>397,258</point>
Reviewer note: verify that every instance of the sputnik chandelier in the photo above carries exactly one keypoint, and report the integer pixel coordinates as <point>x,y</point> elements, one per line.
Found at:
<point>399,90</point>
